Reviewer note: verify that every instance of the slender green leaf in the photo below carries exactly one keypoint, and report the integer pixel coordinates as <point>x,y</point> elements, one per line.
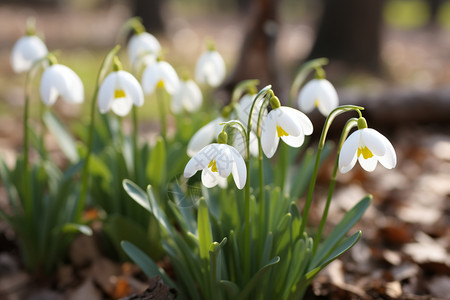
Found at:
<point>137,194</point>
<point>347,222</point>
<point>257,278</point>
<point>64,139</point>
<point>146,264</point>
<point>204,229</point>
<point>72,227</point>
<point>157,164</point>
<point>231,288</point>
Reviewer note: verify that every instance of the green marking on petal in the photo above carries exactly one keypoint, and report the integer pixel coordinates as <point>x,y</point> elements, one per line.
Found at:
<point>366,153</point>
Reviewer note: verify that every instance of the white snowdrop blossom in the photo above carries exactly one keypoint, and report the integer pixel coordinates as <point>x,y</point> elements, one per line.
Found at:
<point>318,93</point>
<point>118,92</point>
<point>369,147</point>
<point>59,80</point>
<point>160,74</point>
<point>286,123</point>
<point>143,48</point>
<point>187,96</point>
<point>217,161</point>
<point>210,69</point>
<point>27,50</point>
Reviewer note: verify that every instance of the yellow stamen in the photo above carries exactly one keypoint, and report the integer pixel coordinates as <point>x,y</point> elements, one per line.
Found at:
<point>366,153</point>
<point>212,165</point>
<point>316,103</point>
<point>281,132</point>
<point>119,94</point>
<point>160,84</point>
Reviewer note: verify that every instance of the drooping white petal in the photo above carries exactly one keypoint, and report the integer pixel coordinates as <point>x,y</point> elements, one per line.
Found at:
<point>224,159</point>
<point>210,69</point>
<point>269,138</point>
<point>285,121</point>
<point>142,44</point>
<point>204,136</point>
<point>389,159</point>
<point>26,51</point>
<point>150,77</point>
<point>187,96</point>
<point>106,92</point>
<point>210,179</point>
<point>239,170</point>
<point>374,141</point>
<point>322,91</point>
<point>160,71</point>
<point>129,84</point>
<point>194,98</point>
<point>294,141</point>
<point>254,148</point>
<point>368,164</point>
<point>305,123</point>
<point>307,96</point>
<point>59,80</point>
<point>198,162</point>
<point>169,77</point>
<point>121,106</point>
<point>348,155</point>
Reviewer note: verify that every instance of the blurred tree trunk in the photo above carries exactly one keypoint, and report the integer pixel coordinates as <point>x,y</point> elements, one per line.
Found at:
<point>257,54</point>
<point>151,13</point>
<point>350,31</point>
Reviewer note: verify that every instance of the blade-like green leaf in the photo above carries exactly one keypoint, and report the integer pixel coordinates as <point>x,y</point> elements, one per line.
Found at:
<point>257,278</point>
<point>64,139</point>
<point>231,288</point>
<point>204,229</point>
<point>72,227</point>
<point>157,164</point>
<point>146,264</point>
<point>137,194</point>
<point>347,222</point>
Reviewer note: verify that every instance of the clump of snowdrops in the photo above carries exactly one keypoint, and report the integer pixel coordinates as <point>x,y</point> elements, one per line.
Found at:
<point>241,236</point>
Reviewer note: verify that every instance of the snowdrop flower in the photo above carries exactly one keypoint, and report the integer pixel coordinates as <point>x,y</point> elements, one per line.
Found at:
<point>318,93</point>
<point>187,96</point>
<point>367,146</point>
<point>143,49</point>
<point>217,161</point>
<point>118,92</point>
<point>160,74</point>
<point>286,123</point>
<point>27,50</point>
<point>59,80</point>
<point>210,68</point>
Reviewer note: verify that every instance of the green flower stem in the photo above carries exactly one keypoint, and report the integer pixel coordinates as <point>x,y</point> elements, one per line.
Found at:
<point>348,126</point>
<point>135,145</point>
<point>43,110</point>
<point>247,240</point>
<point>162,112</point>
<point>85,172</point>
<point>27,201</point>
<point>337,111</point>
<point>302,74</point>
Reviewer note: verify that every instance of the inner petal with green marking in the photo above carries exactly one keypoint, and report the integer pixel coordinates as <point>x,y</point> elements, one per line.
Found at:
<point>119,94</point>
<point>366,153</point>
<point>281,132</point>
<point>212,165</point>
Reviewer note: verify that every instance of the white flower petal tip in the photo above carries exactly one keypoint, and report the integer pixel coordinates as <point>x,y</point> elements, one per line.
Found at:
<point>286,123</point>
<point>119,92</point>
<point>204,136</point>
<point>368,147</point>
<point>60,81</point>
<point>318,93</point>
<point>160,74</point>
<point>27,50</point>
<point>217,162</point>
<point>142,45</point>
<point>187,97</point>
<point>210,69</point>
